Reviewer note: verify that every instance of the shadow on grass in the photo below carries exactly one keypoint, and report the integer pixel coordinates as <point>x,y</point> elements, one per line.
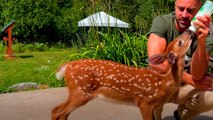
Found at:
<point>25,56</point>
<point>3,58</point>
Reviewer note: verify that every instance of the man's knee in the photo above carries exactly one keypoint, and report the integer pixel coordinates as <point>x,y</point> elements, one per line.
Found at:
<point>196,101</point>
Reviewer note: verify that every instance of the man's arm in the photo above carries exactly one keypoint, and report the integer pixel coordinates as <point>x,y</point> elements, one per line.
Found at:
<point>204,84</point>
<point>200,57</point>
<point>199,64</point>
<point>155,45</point>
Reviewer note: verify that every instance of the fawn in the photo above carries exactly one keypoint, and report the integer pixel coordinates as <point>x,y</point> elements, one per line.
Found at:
<point>147,88</point>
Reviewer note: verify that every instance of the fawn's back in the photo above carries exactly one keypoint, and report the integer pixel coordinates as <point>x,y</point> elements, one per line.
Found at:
<point>116,81</point>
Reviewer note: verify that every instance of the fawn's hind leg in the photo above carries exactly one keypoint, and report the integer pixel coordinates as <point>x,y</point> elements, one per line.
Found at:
<point>75,100</point>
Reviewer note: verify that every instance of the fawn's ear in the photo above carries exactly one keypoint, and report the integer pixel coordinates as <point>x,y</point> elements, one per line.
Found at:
<point>156,59</point>
<point>171,57</point>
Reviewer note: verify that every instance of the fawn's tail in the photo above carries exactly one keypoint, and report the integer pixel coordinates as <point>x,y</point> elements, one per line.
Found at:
<point>61,72</point>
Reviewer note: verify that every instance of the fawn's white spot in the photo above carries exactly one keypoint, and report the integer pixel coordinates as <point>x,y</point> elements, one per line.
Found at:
<point>150,96</point>
<point>110,76</point>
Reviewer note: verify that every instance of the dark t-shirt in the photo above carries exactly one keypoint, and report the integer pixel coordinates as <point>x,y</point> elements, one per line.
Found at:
<point>164,26</point>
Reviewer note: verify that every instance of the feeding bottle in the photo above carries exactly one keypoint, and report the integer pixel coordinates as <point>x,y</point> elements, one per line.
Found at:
<point>207,8</point>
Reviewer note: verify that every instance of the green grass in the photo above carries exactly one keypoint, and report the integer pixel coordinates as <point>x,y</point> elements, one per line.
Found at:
<point>36,67</point>
<point>40,66</point>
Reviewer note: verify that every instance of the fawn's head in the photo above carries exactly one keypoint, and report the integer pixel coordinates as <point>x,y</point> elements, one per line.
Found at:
<point>181,44</point>
<point>177,48</point>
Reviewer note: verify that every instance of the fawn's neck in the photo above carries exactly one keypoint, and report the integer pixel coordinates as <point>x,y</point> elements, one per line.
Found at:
<point>177,70</point>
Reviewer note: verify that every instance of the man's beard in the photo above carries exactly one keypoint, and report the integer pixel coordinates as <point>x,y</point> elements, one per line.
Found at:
<point>183,26</point>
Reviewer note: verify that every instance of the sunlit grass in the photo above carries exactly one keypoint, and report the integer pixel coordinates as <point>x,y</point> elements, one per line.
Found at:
<point>40,66</point>
<point>36,67</point>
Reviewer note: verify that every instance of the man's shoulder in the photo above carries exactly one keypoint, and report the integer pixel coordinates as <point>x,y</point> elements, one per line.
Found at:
<point>164,21</point>
<point>162,25</point>
<point>166,17</point>
<point>170,15</point>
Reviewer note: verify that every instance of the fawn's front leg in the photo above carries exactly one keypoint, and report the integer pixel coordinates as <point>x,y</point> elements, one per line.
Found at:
<point>147,111</point>
<point>158,113</point>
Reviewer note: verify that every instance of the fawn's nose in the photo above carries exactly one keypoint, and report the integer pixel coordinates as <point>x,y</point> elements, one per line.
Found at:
<point>191,34</point>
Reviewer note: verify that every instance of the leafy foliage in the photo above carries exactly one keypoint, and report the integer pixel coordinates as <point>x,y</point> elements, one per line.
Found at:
<point>56,20</point>
<point>33,18</point>
<point>120,47</point>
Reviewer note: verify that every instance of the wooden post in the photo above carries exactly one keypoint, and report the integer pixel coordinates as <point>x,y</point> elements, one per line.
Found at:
<point>9,39</point>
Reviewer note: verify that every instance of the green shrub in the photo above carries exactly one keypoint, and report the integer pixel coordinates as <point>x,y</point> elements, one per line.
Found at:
<point>120,47</point>
<point>18,47</point>
<point>2,47</point>
<point>40,47</point>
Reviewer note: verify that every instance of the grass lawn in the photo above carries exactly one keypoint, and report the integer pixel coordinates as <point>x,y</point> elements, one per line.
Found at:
<point>36,67</point>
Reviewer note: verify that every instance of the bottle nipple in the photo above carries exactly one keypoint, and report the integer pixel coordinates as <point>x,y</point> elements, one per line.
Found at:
<point>193,29</point>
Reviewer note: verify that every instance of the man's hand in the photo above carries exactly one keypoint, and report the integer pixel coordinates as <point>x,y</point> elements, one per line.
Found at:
<point>162,68</point>
<point>205,83</point>
<point>204,27</point>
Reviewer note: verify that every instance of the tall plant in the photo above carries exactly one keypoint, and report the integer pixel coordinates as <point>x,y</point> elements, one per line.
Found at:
<point>118,46</point>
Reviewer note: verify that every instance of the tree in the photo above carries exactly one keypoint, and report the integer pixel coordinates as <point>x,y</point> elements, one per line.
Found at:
<point>32,17</point>
<point>56,20</point>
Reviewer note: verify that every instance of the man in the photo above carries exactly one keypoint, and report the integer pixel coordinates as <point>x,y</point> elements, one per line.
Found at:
<point>192,98</point>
